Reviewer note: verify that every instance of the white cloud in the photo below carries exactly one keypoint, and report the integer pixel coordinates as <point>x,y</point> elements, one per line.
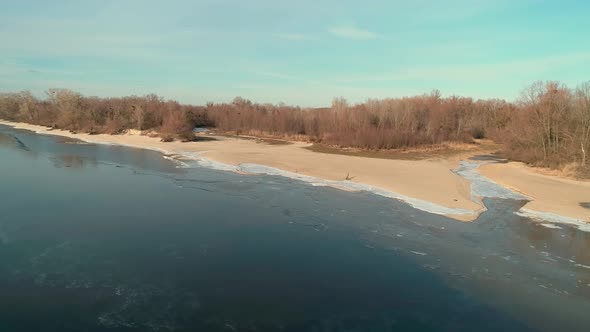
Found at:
<point>352,33</point>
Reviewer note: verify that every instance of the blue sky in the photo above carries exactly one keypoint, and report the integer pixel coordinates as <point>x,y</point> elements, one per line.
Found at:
<point>298,52</point>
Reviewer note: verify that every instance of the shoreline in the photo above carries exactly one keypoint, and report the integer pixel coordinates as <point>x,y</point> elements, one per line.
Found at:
<point>553,198</point>
<point>407,180</point>
<point>411,181</point>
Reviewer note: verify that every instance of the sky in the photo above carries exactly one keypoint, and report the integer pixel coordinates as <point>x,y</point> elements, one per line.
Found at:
<point>303,52</point>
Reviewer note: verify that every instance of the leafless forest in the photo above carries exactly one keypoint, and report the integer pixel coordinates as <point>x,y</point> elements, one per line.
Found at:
<point>549,125</point>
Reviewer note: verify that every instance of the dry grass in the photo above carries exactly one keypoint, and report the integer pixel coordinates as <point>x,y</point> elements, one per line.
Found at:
<point>449,150</point>
<point>574,171</point>
<point>263,139</point>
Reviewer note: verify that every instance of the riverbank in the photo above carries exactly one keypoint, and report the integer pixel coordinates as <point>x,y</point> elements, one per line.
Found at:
<point>427,183</point>
<point>551,195</point>
<point>430,185</point>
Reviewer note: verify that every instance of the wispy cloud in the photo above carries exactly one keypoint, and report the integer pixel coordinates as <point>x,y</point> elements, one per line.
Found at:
<point>188,51</point>
<point>351,32</point>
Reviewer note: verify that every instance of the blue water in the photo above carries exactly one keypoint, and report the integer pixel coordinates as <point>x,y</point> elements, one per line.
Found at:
<point>105,238</point>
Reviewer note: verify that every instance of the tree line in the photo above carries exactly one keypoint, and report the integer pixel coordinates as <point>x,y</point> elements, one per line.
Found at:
<point>549,125</point>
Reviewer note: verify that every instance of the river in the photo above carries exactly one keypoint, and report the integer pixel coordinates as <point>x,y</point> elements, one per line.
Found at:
<point>107,238</point>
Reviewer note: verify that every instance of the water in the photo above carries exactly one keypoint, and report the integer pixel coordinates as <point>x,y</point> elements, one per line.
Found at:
<point>105,238</point>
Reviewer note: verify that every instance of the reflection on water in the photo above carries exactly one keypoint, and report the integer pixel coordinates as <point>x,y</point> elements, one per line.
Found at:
<point>13,141</point>
<point>133,243</point>
<point>73,161</point>
<point>70,153</point>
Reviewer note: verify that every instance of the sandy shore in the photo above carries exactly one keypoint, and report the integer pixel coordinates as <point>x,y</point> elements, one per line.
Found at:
<point>430,185</point>
<point>550,194</point>
<point>428,181</point>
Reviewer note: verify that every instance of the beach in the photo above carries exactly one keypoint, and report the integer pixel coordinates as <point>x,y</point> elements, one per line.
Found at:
<point>549,194</point>
<point>431,185</point>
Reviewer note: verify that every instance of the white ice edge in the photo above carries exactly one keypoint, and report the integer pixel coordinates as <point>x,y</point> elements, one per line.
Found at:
<point>481,186</point>
<point>554,218</point>
<point>257,169</point>
<point>484,187</point>
<point>552,226</point>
